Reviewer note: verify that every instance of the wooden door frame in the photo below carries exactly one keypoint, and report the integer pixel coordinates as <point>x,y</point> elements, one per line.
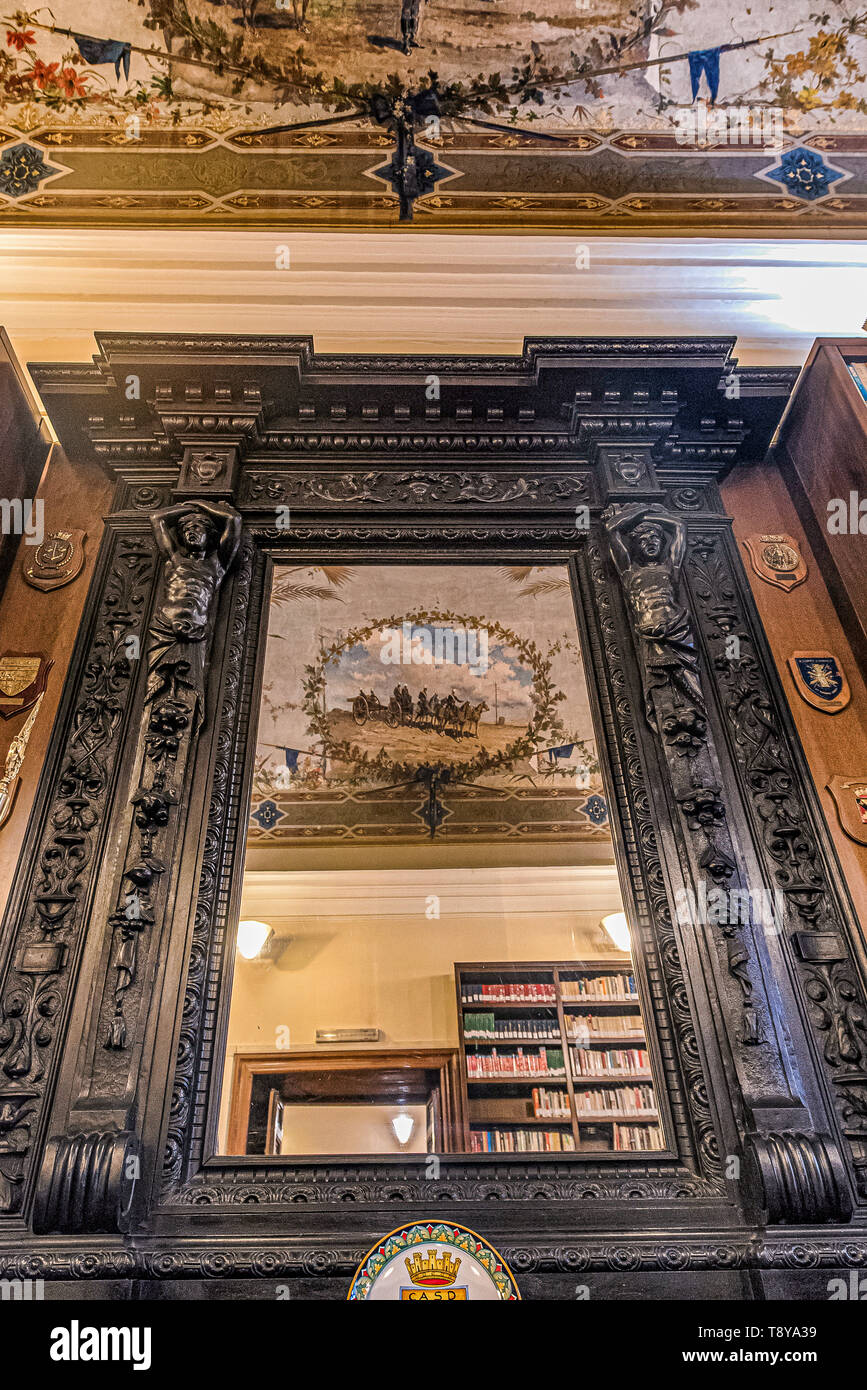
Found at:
<point>248,1065</point>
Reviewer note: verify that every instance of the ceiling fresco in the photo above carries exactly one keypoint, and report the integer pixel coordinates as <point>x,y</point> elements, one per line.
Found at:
<point>596,114</point>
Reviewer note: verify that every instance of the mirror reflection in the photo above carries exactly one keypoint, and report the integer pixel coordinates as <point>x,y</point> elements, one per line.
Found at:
<point>432,954</point>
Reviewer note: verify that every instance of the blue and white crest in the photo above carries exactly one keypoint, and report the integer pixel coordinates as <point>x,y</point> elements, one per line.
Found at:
<point>820,680</point>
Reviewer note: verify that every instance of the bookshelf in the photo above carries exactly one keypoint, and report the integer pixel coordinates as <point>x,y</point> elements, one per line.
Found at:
<point>554,1058</point>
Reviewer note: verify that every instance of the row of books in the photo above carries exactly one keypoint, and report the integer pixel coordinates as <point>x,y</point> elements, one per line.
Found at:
<point>637,1138</point>
<point>858,373</point>
<point>550,1105</point>
<point>599,987</point>
<point>521,1141</point>
<point>515,992</point>
<point>543,1062</point>
<point>630,1060</point>
<point>615,1100</point>
<point>488,1028</point>
<point>582,1027</point>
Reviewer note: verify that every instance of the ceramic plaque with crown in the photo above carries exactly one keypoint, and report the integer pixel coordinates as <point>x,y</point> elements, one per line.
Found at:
<point>433,1262</point>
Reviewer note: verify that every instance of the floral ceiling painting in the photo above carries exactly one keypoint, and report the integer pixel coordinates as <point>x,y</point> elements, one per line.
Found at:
<point>417,702</point>
<point>435,113</point>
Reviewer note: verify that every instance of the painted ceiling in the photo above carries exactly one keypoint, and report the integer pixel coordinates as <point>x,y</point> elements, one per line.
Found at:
<point>594,114</point>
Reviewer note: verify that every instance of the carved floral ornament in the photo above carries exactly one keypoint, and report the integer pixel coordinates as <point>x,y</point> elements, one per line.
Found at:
<point>38,981</point>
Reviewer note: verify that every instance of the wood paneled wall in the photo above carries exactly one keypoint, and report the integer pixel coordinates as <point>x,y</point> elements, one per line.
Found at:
<point>24,445</point>
<point>822,454</point>
<point>75,495</point>
<point>806,619</point>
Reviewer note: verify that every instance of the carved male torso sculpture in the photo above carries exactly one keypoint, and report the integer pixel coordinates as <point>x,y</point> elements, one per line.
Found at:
<point>648,551</point>
<point>199,541</point>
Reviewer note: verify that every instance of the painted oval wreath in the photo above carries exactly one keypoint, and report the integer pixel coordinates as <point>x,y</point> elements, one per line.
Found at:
<point>543,727</point>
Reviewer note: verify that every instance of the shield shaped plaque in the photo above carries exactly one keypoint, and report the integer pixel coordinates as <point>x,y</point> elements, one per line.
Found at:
<point>820,680</point>
<point>777,559</point>
<point>56,561</point>
<point>850,799</point>
<point>22,681</point>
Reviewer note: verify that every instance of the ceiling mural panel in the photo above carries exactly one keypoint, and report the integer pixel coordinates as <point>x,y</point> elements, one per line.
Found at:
<point>596,114</point>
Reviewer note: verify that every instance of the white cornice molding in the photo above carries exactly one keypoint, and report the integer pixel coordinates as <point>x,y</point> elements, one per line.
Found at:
<point>470,293</point>
<point>494,892</point>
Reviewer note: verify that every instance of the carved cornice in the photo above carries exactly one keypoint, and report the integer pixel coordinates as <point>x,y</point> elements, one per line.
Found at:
<point>118,345</point>
<point>419,442</point>
<point>146,391</point>
<point>570,537</point>
<point>460,1183</point>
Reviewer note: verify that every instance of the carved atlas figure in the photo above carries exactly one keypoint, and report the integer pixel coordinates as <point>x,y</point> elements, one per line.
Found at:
<point>648,547</point>
<point>199,541</point>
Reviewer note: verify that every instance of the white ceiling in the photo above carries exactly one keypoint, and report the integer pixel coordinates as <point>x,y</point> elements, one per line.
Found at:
<point>371,291</point>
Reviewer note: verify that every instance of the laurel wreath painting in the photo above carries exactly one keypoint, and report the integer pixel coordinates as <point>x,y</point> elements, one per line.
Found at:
<point>544,727</point>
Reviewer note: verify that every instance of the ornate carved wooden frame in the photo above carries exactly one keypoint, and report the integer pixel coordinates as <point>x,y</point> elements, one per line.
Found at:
<point>761,1037</point>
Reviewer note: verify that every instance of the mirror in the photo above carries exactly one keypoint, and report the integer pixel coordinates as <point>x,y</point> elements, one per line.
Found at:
<point>422,965</point>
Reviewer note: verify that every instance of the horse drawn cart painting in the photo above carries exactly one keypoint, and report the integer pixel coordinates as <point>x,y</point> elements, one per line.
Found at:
<point>382,682</point>
<point>448,716</point>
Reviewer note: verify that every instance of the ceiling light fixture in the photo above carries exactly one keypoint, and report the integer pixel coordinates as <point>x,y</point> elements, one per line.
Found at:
<point>616,927</point>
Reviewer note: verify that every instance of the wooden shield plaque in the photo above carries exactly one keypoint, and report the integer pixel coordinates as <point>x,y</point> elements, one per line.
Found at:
<point>850,799</point>
<point>56,561</point>
<point>22,681</point>
<point>777,559</point>
<point>820,680</point>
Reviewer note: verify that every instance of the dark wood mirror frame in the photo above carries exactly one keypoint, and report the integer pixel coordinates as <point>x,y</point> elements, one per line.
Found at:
<point>111,1027</point>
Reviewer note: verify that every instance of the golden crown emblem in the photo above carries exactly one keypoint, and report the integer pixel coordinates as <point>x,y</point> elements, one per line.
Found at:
<point>432,1270</point>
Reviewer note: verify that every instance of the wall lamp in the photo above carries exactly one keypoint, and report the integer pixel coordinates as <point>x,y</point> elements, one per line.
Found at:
<point>616,928</point>
<point>403,1126</point>
<point>258,941</point>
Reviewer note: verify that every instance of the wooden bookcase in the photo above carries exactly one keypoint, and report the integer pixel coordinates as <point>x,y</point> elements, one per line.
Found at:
<point>555,1016</point>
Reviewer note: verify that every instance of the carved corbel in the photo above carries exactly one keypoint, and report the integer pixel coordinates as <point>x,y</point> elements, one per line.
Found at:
<point>87,1183</point>
<point>797,1179</point>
